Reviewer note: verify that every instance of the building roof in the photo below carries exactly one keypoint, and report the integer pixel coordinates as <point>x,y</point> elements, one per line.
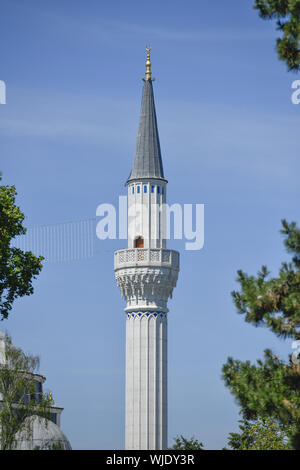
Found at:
<point>147,161</point>
<point>40,433</point>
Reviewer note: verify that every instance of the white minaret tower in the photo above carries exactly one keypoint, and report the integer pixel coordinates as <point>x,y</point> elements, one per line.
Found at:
<point>146,274</point>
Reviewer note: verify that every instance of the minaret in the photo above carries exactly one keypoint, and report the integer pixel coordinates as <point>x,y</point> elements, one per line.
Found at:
<point>146,273</point>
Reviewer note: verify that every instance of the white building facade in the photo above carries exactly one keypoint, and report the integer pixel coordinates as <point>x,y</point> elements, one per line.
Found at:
<point>146,273</point>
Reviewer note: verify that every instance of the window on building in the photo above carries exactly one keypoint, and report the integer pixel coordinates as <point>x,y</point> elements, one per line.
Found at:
<point>152,189</point>
<point>145,189</point>
<point>158,189</point>
<point>132,189</point>
<point>139,242</point>
<point>163,190</point>
<point>38,391</point>
<point>137,189</point>
<point>53,417</point>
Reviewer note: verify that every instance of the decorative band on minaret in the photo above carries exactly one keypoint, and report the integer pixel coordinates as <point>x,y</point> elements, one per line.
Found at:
<point>146,273</point>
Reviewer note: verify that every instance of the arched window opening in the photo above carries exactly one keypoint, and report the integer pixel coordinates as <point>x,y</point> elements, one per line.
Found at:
<point>139,242</point>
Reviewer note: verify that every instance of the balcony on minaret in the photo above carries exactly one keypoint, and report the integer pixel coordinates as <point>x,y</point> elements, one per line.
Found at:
<point>146,277</point>
<point>133,257</point>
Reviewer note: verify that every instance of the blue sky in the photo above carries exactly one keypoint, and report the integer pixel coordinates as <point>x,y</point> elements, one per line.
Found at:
<point>230,140</point>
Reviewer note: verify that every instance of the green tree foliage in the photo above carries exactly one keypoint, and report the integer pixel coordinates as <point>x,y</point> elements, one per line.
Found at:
<point>17,268</point>
<point>50,446</point>
<point>18,397</point>
<point>274,302</point>
<point>181,443</point>
<point>271,387</point>
<point>287,14</point>
<point>262,434</point>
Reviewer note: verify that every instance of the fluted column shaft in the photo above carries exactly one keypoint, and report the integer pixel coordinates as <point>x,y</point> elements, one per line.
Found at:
<point>146,381</point>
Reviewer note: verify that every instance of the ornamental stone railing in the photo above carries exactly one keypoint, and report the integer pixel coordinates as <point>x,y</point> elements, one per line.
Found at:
<point>146,257</point>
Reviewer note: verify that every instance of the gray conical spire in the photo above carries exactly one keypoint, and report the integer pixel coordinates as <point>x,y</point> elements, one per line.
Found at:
<point>147,161</point>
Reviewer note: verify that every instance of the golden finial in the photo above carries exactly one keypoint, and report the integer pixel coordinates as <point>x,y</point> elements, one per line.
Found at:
<point>50,396</point>
<point>148,66</point>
